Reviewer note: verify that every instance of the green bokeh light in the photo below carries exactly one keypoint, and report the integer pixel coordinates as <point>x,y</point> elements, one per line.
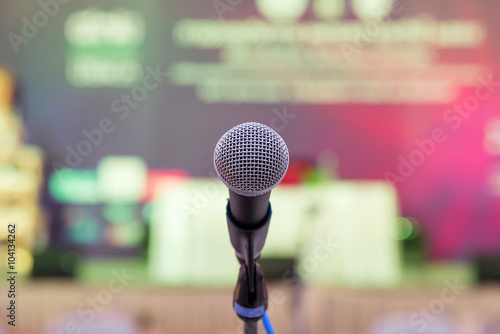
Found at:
<point>404,228</point>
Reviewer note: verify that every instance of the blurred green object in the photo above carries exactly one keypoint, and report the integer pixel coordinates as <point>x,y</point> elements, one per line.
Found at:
<point>99,271</point>
<point>85,230</point>
<point>122,179</point>
<point>413,242</point>
<point>435,273</point>
<point>118,213</point>
<point>118,179</point>
<point>74,186</point>
<point>55,263</point>
<point>404,228</point>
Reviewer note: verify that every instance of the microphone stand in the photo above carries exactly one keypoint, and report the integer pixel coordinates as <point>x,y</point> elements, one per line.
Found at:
<point>250,298</point>
<point>250,328</point>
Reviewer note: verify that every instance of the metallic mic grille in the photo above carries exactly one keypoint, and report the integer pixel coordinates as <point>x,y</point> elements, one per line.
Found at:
<point>251,159</point>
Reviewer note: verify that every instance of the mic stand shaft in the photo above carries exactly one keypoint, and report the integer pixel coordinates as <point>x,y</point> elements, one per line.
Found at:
<point>251,328</point>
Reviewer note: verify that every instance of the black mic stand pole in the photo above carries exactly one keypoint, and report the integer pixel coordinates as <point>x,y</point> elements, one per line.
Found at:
<point>250,294</point>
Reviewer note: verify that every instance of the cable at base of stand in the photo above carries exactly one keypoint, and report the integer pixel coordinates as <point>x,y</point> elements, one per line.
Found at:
<point>267,324</point>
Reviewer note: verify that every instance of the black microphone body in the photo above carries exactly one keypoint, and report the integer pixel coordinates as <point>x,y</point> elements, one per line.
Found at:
<point>248,222</point>
<point>251,159</point>
<point>248,212</point>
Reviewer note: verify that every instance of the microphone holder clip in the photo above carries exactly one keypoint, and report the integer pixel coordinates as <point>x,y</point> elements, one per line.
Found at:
<point>250,298</point>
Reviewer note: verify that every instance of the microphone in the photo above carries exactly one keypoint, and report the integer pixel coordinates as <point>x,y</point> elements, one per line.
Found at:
<point>250,159</point>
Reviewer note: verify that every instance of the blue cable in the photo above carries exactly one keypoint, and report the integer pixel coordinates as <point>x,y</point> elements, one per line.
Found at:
<point>267,324</point>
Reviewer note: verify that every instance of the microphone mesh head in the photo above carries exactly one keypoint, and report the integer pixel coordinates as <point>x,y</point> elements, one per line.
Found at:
<point>251,159</point>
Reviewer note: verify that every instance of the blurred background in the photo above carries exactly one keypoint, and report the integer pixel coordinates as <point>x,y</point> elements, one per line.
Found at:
<point>388,220</point>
